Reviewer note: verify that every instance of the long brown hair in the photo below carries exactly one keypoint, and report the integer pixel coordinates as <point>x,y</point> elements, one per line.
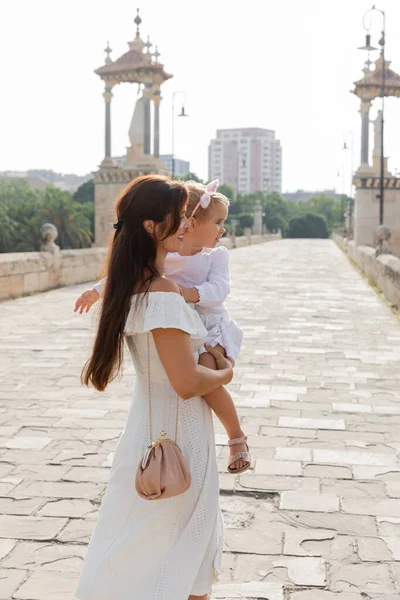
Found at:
<point>131,264</point>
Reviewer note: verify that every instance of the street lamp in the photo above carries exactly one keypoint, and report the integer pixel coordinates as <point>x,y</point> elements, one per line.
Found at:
<point>370,48</point>
<point>350,146</point>
<point>181,114</point>
<point>240,163</point>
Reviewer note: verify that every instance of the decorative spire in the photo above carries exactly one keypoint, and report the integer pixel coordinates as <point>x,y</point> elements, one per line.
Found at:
<point>156,54</point>
<point>108,52</point>
<point>138,21</point>
<point>148,45</point>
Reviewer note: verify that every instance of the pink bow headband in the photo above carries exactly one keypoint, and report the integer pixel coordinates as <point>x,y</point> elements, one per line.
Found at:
<point>205,199</point>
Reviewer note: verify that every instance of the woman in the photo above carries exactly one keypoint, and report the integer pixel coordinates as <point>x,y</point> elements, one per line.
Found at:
<point>160,549</point>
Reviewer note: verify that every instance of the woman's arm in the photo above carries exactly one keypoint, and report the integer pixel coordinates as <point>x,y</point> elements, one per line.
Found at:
<point>187,377</point>
<point>176,354</point>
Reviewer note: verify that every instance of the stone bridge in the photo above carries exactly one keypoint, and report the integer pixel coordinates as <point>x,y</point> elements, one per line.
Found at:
<point>317,388</point>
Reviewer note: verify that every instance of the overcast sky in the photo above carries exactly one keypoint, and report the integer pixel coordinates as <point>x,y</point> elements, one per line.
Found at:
<point>281,64</point>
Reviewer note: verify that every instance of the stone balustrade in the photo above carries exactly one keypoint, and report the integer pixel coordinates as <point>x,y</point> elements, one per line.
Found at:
<point>383,270</point>
<point>32,272</point>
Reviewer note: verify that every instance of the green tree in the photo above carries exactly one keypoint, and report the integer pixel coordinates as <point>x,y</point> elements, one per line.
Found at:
<point>71,219</point>
<point>190,177</point>
<point>308,226</point>
<point>228,191</point>
<point>85,193</point>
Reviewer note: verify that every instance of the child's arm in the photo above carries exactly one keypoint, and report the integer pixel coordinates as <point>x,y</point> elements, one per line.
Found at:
<point>90,297</point>
<point>215,290</point>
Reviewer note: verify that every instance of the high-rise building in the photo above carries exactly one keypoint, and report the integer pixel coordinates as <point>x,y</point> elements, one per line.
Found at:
<point>181,167</point>
<point>248,159</point>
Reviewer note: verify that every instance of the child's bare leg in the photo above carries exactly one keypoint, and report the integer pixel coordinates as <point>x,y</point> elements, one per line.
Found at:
<point>222,404</point>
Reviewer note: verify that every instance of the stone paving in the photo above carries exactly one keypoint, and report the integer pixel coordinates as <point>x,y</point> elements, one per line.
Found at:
<point>317,388</point>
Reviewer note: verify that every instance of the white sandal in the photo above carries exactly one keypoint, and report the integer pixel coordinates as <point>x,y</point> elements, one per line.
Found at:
<point>242,455</point>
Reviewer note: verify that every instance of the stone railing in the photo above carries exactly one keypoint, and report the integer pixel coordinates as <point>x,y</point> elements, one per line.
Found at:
<point>383,270</point>
<point>31,272</point>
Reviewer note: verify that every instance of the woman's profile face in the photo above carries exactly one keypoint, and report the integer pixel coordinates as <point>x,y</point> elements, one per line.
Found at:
<point>173,243</point>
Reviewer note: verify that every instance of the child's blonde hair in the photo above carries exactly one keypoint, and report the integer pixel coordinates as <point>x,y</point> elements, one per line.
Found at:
<point>196,190</point>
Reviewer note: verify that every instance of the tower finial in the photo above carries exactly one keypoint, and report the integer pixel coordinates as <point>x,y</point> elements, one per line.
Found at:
<point>148,45</point>
<point>108,52</point>
<point>138,21</point>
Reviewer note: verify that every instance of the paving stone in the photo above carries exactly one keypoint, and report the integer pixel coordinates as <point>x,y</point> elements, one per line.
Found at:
<point>361,506</point>
<point>30,528</point>
<point>291,571</point>
<point>314,470</point>
<point>366,578</point>
<point>353,489</point>
<point>277,483</point>
<point>20,506</point>
<point>10,580</point>
<point>343,523</point>
<point>272,467</point>
<point>68,508</point>
<point>66,489</point>
<point>77,530</point>
<point>45,556</point>
<point>5,547</point>
<point>47,585</point>
<point>302,423</point>
<point>297,454</point>
<point>40,472</point>
<point>388,526</point>
<point>252,589</point>
<point>308,542</point>
<point>373,549</point>
<point>354,458</point>
<point>250,541</point>
<point>325,595</point>
<point>385,473</point>
<point>26,443</point>
<point>309,502</point>
<point>393,489</point>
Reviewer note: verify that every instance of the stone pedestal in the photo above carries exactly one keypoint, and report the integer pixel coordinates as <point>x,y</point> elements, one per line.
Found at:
<point>110,181</point>
<point>366,211</point>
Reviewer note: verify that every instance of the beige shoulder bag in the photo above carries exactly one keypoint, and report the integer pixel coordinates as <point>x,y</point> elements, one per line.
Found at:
<point>163,472</point>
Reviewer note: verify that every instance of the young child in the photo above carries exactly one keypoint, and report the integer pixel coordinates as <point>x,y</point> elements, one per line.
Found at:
<point>201,270</point>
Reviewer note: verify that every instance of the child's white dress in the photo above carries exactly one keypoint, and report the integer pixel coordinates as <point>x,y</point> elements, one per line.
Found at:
<point>208,271</point>
<point>158,549</point>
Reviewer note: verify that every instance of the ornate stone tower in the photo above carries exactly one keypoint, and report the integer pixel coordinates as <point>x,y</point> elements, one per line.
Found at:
<point>138,65</point>
<point>366,179</point>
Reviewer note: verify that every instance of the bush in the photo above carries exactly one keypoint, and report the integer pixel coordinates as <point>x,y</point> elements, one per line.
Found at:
<point>245,220</point>
<point>308,226</point>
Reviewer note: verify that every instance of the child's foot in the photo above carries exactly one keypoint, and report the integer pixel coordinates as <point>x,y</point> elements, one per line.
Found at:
<point>239,459</point>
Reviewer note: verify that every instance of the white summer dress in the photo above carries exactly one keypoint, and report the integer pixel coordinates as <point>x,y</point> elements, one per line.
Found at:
<point>158,549</point>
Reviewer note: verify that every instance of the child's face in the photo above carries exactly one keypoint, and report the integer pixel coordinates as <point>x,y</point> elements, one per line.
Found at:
<point>209,232</point>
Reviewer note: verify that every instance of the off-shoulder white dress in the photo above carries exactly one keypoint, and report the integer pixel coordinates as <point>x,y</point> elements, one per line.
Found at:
<point>158,549</point>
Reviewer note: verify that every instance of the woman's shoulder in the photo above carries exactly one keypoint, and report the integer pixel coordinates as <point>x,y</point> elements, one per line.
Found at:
<point>162,284</point>
<point>164,308</point>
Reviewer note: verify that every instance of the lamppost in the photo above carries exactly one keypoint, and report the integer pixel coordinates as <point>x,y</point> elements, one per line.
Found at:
<point>350,147</point>
<point>181,114</point>
<point>370,48</point>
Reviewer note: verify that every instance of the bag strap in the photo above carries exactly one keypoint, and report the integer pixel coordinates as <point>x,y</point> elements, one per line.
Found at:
<point>150,395</point>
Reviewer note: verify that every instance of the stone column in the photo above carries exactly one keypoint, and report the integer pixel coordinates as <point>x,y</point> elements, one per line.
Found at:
<point>156,139</point>
<point>147,118</point>
<point>107,97</point>
<point>364,111</point>
<point>257,218</point>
